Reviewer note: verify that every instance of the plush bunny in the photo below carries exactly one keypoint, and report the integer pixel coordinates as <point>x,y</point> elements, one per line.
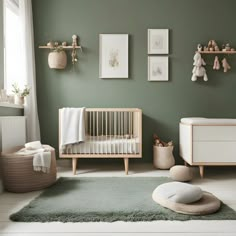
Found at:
<point>198,69</point>
<point>212,45</point>
<point>216,65</point>
<point>74,40</point>
<point>158,142</point>
<point>225,65</point>
<point>199,47</point>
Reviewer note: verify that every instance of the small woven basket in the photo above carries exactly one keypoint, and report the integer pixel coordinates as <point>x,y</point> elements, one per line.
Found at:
<point>57,60</point>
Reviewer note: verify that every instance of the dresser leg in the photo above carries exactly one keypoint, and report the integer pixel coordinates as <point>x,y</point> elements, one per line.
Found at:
<point>201,169</point>
<point>126,162</point>
<point>74,165</point>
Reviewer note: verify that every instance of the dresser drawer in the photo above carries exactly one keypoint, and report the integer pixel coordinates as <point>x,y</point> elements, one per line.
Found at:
<point>214,133</point>
<point>220,152</point>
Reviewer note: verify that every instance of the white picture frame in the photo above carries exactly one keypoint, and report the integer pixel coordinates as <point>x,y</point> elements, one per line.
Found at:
<point>158,41</point>
<point>158,68</point>
<point>113,56</point>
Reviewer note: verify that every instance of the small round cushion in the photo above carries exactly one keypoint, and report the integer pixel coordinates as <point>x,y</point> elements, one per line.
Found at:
<point>178,192</point>
<point>208,204</point>
<point>181,173</point>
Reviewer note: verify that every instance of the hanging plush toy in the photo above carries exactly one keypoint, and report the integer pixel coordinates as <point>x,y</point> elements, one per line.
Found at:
<point>216,65</point>
<point>225,65</point>
<point>198,69</point>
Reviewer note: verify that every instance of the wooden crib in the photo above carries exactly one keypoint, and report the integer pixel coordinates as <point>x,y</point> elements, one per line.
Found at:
<point>110,133</point>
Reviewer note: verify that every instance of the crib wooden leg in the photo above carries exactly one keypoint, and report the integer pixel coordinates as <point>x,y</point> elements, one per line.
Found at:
<point>126,162</point>
<point>201,169</point>
<point>74,165</point>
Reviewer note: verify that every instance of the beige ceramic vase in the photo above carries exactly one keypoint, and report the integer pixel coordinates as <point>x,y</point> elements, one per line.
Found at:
<point>57,60</point>
<point>18,100</point>
<point>163,157</point>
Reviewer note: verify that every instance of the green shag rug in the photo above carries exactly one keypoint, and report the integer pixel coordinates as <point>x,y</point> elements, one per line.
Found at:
<point>105,199</point>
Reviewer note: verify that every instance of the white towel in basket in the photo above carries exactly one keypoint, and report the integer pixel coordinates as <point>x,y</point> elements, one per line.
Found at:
<point>42,161</point>
<point>42,156</point>
<point>72,126</point>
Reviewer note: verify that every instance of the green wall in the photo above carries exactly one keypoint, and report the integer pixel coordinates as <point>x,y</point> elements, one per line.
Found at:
<point>163,103</point>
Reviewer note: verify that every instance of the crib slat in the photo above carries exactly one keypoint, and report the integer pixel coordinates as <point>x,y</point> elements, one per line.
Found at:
<point>97,123</point>
<point>122,131</point>
<point>134,143</point>
<point>114,130</point>
<point>106,131</point>
<point>106,123</point>
<point>132,132</point>
<point>122,123</point>
<point>118,131</point>
<point>97,136</point>
<point>86,124</point>
<point>94,132</point>
<point>125,121</point>
<point>102,123</point>
<point>130,144</point>
<point>126,131</point>
<point>110,132</point>
<point>90,123</point>
<point>102,132</point>
<point>90,130</point>
<point>114,123</point>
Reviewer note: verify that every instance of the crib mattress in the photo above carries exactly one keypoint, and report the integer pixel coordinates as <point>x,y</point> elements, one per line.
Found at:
<point>104,145</point>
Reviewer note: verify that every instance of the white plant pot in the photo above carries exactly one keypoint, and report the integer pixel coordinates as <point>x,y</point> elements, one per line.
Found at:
<point>163,157</point>
<point>57,60</point>
<point>18,100</point>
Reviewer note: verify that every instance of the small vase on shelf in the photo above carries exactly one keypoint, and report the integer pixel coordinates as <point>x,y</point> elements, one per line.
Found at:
<point>19,100</point>
<point>20,94</point>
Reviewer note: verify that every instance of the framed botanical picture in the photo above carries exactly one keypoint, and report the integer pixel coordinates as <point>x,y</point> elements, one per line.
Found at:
<point>158,41</point>
<point>113,56</point>
<point>158,68</point>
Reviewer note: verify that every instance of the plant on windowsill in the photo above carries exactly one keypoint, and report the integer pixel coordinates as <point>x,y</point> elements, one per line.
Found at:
<point>57,59</point>
<point>19,95</point>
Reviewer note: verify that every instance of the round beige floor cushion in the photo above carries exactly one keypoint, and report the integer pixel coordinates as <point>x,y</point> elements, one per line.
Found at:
<point>181,173</point>
<point>178,192</point>
<point>18,174</point>
<point>208,204</point>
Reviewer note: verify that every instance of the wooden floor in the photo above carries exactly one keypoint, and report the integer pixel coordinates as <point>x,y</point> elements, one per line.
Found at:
<point>221,181</point>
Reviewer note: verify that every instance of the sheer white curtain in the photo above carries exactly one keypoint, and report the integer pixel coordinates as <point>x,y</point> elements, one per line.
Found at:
<point>28,59</point>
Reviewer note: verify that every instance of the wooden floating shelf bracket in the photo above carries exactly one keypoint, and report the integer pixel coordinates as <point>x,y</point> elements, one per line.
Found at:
<point>217,52</point>
<point>65,47</point>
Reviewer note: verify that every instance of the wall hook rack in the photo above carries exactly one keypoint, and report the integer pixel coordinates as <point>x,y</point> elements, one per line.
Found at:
<point>57,59</point>
<point>212,49</point>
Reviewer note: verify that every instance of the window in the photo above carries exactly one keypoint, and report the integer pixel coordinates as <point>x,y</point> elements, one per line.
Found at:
<point>12,46</point>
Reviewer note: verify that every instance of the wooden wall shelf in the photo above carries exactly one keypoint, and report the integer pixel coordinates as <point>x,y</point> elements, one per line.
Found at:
<point>65,47</point>
<point>217,52</point>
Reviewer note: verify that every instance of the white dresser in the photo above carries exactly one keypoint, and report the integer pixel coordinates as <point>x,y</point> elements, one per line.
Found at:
<point>207,142</point>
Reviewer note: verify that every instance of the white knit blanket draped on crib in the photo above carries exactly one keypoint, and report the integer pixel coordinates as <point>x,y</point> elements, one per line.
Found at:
<point>72,126</point>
